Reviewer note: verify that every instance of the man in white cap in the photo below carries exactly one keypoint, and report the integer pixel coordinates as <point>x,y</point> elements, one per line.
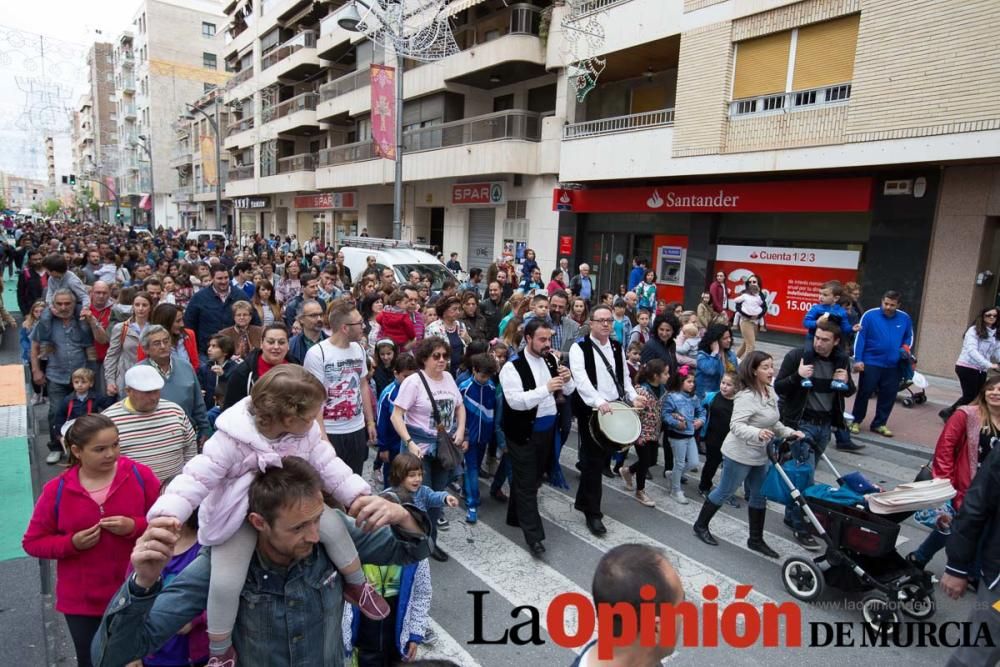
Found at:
<point>152,430</point>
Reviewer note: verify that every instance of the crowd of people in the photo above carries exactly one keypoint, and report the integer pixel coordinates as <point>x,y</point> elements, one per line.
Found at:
<point>176,373</point>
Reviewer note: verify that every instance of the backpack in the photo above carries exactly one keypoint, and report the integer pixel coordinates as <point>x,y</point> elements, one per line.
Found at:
<point>62,483</point>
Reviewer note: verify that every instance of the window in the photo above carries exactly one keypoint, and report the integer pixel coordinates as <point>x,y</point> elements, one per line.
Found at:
<point>207,29</point>
<point>824,53</point>
<point>517,209</point>
<point>208,87</point>
<point>208,60</point>
<point>762,66</point>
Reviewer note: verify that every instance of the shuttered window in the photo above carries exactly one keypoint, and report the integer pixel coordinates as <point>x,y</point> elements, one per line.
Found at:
<point>762,65</point>
<point>824,53</point>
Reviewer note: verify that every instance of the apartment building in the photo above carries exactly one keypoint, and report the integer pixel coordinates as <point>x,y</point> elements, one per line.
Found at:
<point>103,100</point>
<point>168,58</point>
<point>82,136</point>
<point>481,140</point>
<point>194,159</point>
<point>21,192</point>
<point>802,140</point>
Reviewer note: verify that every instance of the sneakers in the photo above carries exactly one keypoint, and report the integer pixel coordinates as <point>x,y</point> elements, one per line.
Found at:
<point>839,385</point>
<point>850,447</point>
<point>680,498</point>
<point>644,499</point>
<point>629,478</point>
<point>227,659</point>
<point>855,429</point>
<point>367,600</point>
<point>471,516</point>
<point>53,458</point>
<point>883,431</point>
<point>807,383</point>
<point>442,523</point>
<point>806,540</point>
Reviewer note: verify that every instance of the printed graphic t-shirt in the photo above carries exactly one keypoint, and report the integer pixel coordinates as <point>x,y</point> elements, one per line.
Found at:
<point>419,414</point>
<point>342,372</point>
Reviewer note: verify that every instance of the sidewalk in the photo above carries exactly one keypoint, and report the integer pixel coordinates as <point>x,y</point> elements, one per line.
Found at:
<point>917,427</point>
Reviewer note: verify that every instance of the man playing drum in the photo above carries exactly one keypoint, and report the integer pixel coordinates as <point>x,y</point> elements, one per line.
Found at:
<point>602,384</point>
<point>531,383</point>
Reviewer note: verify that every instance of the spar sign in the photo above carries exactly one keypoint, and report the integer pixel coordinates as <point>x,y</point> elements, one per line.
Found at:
<point>790,277</point>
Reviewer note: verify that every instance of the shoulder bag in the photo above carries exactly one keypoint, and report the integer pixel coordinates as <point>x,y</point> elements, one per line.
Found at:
<point>448,453</point>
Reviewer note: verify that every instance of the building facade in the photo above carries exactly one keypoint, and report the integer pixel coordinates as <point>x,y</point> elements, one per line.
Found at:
<point>198,171</point>
<point>168,58</point>
<point>20,192</point>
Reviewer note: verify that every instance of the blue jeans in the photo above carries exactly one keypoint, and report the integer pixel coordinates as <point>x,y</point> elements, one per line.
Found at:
<point>473,462</point>
<point>685,457</point>
<point>733,475</point>
<point>820,434</point>
<point>885,382</point>
<point>932,544</point>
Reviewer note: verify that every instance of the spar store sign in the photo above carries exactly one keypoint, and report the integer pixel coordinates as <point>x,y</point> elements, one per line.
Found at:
<point>479,194</point>
<point>791,278</point>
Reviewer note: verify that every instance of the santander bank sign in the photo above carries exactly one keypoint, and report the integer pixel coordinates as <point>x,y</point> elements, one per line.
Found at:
<point>803,196</point>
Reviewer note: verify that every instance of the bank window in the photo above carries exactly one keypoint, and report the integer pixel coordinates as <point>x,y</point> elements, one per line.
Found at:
<point>796,69</point>
<point>207,29</point>
<point>208,60</point>
<point>517,209</point>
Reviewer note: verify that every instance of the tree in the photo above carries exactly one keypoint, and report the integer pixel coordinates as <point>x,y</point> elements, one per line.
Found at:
<point>85,200</point>
<point>49,207</point>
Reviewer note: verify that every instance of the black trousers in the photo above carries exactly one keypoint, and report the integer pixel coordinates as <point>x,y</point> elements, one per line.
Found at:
<point>528,461</point>
<point>668,452</point>
<point>593,459</point>
<point>713,459</point>
<point>972,382</point>
<point>352,448</point>
<point>82,629</point>
<point>376,640</point>
<point>647,455</point>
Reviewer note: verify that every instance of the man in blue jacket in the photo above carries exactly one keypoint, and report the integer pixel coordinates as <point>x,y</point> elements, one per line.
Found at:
<point>210,310</point>
<point>883,342</point>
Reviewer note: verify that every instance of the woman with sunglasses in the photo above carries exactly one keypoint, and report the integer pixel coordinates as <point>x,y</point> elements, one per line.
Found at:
<point>750,311</point>
<point>416,419</point>
<point>980,352</point>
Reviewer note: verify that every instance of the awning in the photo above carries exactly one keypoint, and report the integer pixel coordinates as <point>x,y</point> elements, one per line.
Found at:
<point>146,203</point>
<point>461,5</point>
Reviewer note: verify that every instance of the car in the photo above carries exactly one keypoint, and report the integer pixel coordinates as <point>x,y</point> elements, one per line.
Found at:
<point>400,256</point>
<point>200,236</point>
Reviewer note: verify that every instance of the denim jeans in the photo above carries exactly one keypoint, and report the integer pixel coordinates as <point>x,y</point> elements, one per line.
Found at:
<point>473,462</point>
<point>685,457</point>
<point>820,434</point>
<point>885,382</point>
<point>932,544</point>
<point>733,475</point>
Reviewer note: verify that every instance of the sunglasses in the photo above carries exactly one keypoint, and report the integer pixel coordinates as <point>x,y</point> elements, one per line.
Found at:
<point>439,356</point>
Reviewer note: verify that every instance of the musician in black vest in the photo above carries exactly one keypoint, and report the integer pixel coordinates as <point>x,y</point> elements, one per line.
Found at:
<point>531,385</point>
<point>599,371</point>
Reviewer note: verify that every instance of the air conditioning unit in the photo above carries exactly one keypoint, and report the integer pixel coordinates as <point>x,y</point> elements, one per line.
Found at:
<point>898,187</point>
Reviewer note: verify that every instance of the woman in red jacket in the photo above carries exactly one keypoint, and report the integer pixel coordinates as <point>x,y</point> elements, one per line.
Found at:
<point>87,520</point>
<point>183,341</point>
<point>968,437</point>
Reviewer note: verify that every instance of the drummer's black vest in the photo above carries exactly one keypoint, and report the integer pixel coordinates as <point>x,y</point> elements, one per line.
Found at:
<point>518,424</point>
<point>590,365</point>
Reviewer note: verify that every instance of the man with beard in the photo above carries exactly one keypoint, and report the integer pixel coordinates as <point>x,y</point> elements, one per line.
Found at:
<point>492,309</point>
<point>530,384</point>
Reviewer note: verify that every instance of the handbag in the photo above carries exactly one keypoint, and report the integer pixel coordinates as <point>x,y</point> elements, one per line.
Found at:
<point>448,453</point>
<point>775,489</point>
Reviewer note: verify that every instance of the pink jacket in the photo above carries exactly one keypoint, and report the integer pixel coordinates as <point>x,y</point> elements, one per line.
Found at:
<point>218,480</point>
<point>87,580</point>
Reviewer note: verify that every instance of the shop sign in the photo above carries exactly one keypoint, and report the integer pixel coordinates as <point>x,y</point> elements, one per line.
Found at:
<point>790,278</point>
<point>479,194</point>
<point>252,202</point>
<point>565,245</point>
<point>328,200</point>
<point>829,195</point>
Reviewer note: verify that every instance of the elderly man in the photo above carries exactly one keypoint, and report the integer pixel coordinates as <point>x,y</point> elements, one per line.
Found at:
<point>151,429</point>
<point>180,381</point>
<point>311,320</point>
<point>67,338</point>
<point>101,304</point>
<point>290,570</point>
<point>580,284</point>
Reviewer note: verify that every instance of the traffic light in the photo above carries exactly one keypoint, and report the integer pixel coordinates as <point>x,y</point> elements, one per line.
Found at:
<point>65,180</point>
<point>118,216</point>
<point>72,179</point>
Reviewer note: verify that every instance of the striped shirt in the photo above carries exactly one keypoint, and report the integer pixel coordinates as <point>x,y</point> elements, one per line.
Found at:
<point>162,439</point>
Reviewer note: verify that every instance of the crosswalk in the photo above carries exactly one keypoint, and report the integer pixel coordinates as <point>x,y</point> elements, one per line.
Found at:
<point>492,558</point>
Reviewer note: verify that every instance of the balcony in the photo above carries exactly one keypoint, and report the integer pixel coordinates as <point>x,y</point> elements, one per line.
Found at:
<point>633,146</point>
<point>236,79</point>
<point>296,115</point>
<point>181,157</point>
<point>127,83</point>
<point>625,23</point>
<point>300,162</point>
<point>240,182</point>
<point>240,173</point>
<point>294,60</point>
<point>183,193</point>
<point>238,133</point>
<point>494,143</point>
<point>127,59</point>
<point>128,111</point>
<point>594,128</point>
<point>331,35</point>
<point>293,173</point>
<point>205,192</point>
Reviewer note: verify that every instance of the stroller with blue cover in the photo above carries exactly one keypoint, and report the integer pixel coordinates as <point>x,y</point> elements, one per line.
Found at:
<point>860,553</point>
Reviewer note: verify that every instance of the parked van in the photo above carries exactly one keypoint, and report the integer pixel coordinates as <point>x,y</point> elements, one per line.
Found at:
<point>200,236</point>
<point>400,256</point>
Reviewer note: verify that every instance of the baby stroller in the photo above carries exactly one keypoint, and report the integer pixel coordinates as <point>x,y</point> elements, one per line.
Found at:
<point>860,554</point>
<point>909,379</point>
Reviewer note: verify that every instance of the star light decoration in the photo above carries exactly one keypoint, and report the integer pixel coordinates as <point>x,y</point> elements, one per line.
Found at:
<point>413,29</point>
<point>583,38</point>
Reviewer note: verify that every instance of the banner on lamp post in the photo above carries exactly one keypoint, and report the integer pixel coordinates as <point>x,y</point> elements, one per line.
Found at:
<point>209,170</point>
<point>384,119</point>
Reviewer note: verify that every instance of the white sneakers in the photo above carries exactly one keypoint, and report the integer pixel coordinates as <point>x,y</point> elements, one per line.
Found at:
<point>680,498</point>
<point>53,458</point>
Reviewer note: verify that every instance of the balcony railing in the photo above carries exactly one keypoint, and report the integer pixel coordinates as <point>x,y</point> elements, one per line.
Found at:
<point>240,173</point>
<point>128,83</point>
<point>345,84</point>
<point>303,102</point>
<point>588,6</point>
<point>514,125</point>
<point>240,77</point>
<point>300,162</point>
<point>636,121</point>
<point>128,110</point>
<point>304,40</point>
<point>183,193</point>
<point>128,59</point>
<point>793,101</point>
<point>239,126</point>
<point>521,19</point>
<point>207,188</point>
<point>181,154</point>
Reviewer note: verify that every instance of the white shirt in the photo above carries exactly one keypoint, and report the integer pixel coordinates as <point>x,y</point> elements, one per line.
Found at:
<point>342,372</point>
<point>605,390</point>
<point>540,397</point>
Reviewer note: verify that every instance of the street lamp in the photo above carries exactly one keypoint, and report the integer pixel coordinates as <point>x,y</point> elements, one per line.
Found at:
<point>414,29</point>
<point>214,122</point>
<point>152,197</point>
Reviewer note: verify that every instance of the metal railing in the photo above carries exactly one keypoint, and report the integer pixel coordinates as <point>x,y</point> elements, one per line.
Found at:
<point>796,100</point>
<point>513,125</point>
<point>241,173</point>
<point>183,193</point>
<point>240,77</point>
<point>128,110</point>
<point>345,84</point>
<point>181,154</point>
<point>588,6</point>
<point>208,188</point>
<point>128,83</point>
<point>304,40</point>
<point>522,19</point>
<point>300,162</point>
<point>636,121</point>
<point>240,126</point>
<point>302,102</point>
<point>128,59</point>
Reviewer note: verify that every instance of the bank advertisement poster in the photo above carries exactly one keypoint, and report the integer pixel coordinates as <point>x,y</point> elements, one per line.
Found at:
<point>790,278</point>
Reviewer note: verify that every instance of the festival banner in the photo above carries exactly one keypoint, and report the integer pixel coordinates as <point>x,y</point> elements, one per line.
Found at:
<point>383,88</point>
<point>790,278</point>
<point>209,170</point>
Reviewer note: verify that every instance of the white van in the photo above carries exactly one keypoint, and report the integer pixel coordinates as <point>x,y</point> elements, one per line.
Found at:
<point>401,256</point>
<point>200,236</point>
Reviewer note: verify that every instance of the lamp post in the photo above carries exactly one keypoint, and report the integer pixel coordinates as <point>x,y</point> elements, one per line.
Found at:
<point>144,144</point>
<point>403,26</point>
<point>214,122</point>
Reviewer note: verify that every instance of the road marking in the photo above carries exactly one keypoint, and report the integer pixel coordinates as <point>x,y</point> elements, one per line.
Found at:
<point>445,647</point>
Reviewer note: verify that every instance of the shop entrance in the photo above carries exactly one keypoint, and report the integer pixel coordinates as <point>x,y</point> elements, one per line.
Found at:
<point>482,229</point>
<point>610,257</point>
